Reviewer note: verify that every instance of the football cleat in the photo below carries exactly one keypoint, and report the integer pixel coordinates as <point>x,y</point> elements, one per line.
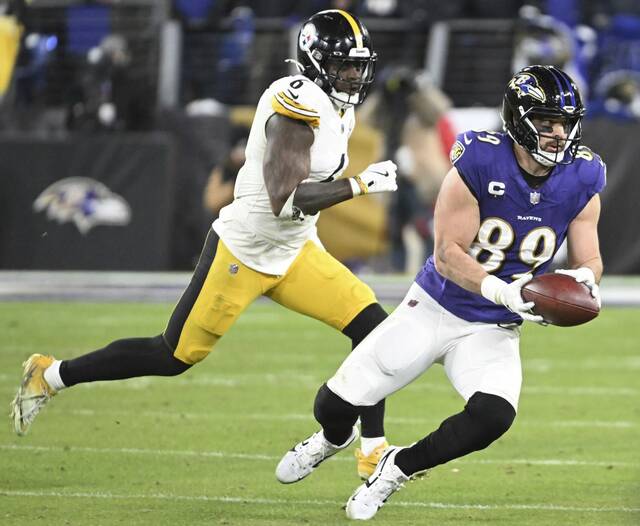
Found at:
<point>307,455</point>
<point>371,496</point>
<point>33,394</point>
<point>367,463</point>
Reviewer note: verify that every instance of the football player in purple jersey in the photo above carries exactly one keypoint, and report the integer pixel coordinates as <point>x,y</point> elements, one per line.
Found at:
<point>503,211</point>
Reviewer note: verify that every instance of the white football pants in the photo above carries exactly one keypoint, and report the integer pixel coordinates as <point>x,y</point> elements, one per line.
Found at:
<point>476,356</point>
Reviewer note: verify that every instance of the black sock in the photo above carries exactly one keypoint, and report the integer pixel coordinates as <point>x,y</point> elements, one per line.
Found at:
<point>121,359</point>
<point>371,418</point>
<point>485,418</point>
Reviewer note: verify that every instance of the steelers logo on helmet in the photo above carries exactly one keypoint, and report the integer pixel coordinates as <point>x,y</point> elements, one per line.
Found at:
<point>308,35</point>
<point>544,95</point>
<point>334,51</point>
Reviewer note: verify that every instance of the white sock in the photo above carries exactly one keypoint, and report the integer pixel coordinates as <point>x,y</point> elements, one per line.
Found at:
<point>367,445</point>
<point>52,376</point>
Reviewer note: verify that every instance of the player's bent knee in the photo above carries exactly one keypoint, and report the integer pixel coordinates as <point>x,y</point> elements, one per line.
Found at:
<point>492,415</point>
<point>170,364</point>
<point>329,409</point>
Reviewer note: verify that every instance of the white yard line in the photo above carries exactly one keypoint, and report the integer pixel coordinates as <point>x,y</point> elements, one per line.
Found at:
<point>215,415</point>
<point>295,378</point>
<point>248,500</point>
<point>253,456</point>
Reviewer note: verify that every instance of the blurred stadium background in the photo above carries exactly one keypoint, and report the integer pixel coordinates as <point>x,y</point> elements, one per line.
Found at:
<point>122,124</point>
<point>150,100</point>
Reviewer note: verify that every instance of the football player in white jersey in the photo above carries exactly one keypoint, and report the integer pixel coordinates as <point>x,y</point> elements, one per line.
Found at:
<point>296,152</point>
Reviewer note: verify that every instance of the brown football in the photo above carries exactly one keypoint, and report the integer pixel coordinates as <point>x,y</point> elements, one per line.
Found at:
<point>561,300</point>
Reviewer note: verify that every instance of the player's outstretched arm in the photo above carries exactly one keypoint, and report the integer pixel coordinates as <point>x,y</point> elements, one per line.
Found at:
<point>310,198</point>
<point>378,177</point>
<point>287,163</point>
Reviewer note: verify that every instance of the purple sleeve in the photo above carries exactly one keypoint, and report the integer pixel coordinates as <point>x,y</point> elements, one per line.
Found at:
<point>592,174</point>
<point>601,181</point>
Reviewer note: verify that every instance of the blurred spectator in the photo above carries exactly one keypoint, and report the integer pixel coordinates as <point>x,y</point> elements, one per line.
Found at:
<point>31,75</point>
<point>616,70</point>
<point>108,96</point>
<point>195,13</point>
<point>410,111</point>
<point>542,39</point>
<point>217,59</point>
<point>617,95</point>
<point>218,191</point>
<point>234,59</point>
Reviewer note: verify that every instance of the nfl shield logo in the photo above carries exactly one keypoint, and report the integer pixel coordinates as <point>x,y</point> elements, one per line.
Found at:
<point>534,197</point>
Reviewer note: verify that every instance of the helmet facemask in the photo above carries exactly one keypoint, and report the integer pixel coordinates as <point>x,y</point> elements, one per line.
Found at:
<point>349,89</point>
<point>345,79</point>
<point>521,128</point>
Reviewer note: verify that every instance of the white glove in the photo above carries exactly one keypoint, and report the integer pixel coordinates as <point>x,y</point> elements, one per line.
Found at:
<point>584,275</point>
<point>510,295</point>
<point>378,177</point>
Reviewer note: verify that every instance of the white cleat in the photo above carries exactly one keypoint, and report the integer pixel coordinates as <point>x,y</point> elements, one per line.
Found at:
<point>371,496</point>
<point>33,394</point>
<point>307,455</point>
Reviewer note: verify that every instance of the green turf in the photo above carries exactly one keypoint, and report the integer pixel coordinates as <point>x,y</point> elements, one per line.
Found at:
<point>201,448</point>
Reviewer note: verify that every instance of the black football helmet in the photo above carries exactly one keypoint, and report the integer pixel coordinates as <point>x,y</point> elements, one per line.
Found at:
<point>543,92</point>
<point>334,51</point>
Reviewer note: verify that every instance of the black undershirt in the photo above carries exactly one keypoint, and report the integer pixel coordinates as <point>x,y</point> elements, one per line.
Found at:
<point>532,180</point>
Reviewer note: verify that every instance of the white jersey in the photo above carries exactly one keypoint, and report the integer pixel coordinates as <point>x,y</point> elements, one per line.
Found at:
<point>248,226</point>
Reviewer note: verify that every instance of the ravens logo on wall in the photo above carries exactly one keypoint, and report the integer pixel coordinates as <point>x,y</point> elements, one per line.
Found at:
<point>84,202</point>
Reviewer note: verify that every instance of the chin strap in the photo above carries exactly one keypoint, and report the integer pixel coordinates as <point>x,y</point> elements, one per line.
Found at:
<point>297,64</point>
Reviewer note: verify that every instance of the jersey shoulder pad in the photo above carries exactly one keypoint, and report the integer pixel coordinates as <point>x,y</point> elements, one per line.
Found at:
<point>475,144</point>
<point>298,98</point>
<point>472,152</point>
<point>591,169</point>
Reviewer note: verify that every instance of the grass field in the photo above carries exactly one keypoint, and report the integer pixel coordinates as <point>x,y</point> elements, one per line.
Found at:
<point>201,448</point>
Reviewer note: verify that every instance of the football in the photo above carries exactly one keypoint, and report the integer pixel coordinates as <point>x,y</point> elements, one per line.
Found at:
<point>561,300</point>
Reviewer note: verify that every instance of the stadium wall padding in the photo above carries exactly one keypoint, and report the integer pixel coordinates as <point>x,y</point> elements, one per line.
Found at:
<point>137,167</point>
<point>151,171</point>
<point>616,142</point>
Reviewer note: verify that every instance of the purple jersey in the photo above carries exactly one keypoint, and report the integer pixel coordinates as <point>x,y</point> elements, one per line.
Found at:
<point>521,228</point>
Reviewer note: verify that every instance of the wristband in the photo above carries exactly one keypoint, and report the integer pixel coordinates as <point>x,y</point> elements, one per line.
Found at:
<point>357,186</point>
